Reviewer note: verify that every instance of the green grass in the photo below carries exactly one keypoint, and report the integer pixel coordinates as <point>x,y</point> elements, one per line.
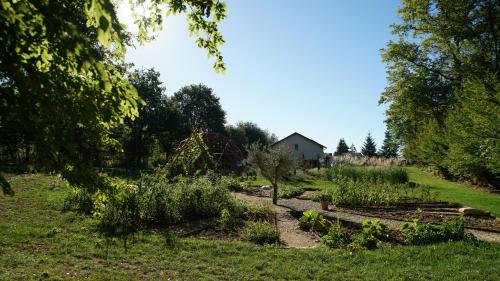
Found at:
<point>39,242</point>
<point>456,192</point>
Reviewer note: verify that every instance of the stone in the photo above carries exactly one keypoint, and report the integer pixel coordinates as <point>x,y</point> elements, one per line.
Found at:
<point>468,211</point>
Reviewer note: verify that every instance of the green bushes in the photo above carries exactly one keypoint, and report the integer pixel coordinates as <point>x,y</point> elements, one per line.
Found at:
<point>420,234</point>
<point>393,175</point>
<point>260,232</point>
<point>361,193</point>
<point>162,202</point>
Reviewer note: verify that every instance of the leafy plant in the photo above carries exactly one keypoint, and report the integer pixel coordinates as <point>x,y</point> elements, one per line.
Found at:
<point>375,228</point>
<point>311,220</point>
<point>335,238</point>
<point>260,232</point>
<point>324,195</point>
<point>420,234</point>
<point>394,175</point>
<point>364,241</point>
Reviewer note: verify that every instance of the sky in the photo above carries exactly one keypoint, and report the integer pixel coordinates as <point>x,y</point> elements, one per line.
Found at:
<point>312,67</point>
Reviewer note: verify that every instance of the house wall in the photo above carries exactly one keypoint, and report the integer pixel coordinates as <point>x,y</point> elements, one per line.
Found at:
<point>309,149</point>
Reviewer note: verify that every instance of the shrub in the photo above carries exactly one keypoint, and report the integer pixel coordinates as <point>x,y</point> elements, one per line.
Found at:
<point>311,220</point>
<point>227,220</point>
<point>335,238</point>
<point>164,202</point>
<point>258,212</point>
<point>324,195</point>
<point>261,232</point>
<point>80,200</point>
<point>290,191</point>
<point>394,175</point>
<point>420,234</point>
<point>117,210</point>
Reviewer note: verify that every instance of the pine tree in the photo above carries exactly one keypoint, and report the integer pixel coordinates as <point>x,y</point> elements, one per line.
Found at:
<point>369,147</point>
<point>390,147</point>
<point>342,148</point>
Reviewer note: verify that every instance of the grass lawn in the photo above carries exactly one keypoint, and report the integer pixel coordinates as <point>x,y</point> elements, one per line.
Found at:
<point>39,242</point>
<point>456,192</point>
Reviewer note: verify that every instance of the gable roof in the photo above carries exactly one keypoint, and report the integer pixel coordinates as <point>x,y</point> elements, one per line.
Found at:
<point>295,133</point>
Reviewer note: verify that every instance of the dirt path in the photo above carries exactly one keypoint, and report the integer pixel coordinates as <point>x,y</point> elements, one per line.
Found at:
<point>291,235</point>
<point>301,205</point>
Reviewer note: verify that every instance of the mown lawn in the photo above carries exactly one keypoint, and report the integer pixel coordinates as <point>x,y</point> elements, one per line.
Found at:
<point>39,242</point>
<point>456,192</point>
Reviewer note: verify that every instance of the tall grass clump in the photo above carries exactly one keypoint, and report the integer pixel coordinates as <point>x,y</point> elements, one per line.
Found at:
<point>392,175</point>
<point>362,193</point>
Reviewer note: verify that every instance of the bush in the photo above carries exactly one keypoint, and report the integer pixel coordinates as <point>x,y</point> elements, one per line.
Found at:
<point>261,232</point>
<point>335,238</point>
<point>117,210</point>
<point>258,212</point>
<point>393,175</point>
<point>163,202</point>
<point>80,200</point>
<point>420,234</point>
<point>289,191</point>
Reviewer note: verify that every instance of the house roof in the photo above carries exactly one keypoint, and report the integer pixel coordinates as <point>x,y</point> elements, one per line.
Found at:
<point>295,133</point>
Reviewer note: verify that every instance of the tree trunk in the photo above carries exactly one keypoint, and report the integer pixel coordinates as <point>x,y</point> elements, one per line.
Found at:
<point>275,194</point>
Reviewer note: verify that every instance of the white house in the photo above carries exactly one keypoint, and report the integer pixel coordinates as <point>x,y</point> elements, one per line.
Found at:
<point>303,147</point>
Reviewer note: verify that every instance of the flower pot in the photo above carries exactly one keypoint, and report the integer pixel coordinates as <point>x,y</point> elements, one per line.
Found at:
<point>324,205</point>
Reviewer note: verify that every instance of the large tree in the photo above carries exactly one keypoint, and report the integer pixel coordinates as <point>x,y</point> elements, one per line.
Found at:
<point>61,73</point>
<point>201,108</point>
<point>446,62</point>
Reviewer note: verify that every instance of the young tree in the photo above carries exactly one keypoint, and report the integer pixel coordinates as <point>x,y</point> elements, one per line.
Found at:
<point>342,148</point>
<point>201,108</point>
<point>273,163</point>
<point>389,147</point>
<point>369,147</point>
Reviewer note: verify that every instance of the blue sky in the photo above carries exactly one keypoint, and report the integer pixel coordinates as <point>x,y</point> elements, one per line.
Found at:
<point>313,67</point>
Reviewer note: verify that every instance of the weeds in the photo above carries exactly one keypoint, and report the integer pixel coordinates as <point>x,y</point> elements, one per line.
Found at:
<point>261,232</point>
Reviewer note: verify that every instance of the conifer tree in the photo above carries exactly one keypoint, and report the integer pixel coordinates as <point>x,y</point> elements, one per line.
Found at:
<point>369,147</point>
<point>342,148</point>
<point>390,147</point>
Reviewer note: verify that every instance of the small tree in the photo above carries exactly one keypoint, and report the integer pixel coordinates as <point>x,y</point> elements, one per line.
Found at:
<point>272,162</point>
<point>390,147</point>
<point>353,149</point>
<point>342,148</point>
<point>369,147</point>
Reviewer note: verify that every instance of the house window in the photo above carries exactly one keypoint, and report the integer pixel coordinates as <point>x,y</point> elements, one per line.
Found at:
<point>296,147</point>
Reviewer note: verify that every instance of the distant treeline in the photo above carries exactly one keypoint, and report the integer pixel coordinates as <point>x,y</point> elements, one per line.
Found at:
<point>151,138</point>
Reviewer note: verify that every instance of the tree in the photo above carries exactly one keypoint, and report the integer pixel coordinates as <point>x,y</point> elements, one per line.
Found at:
<point>273,163</point>
<point>389,146</point>
<point>342,148</point>
<point>246,133</point>
<point>201,108</point>
<point>352,149</point>
<point>369,147</point>
<point>446,58</point>
<point>62,75</point>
